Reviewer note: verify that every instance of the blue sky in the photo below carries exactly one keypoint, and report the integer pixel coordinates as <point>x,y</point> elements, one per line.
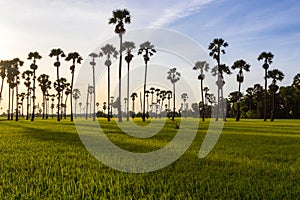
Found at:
<point>249,27</point>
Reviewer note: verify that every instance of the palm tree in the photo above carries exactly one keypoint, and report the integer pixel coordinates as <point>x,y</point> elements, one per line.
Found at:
<point>22,97</point>
<point>60,85</point>
<point>216,49</point>
<point>108,50</point>
<point>45,85</point>
<point>75,58</point>
<point>257,94</point>
<point>205,89</point>
<point>169,96</point>
<point>268,59</point>
<point>119,18</point>
<point>52,104</point>
<point>133,97</point>
<point>147,96</point>
<point>184,97</point>
<point>240,65</point>
<point>275,75</point>
<point>27,76</point>
<point>57,53</point>
<point>128,47</point>
<point>13,81</point>
<point>97,104</point>
<point>104,107</point>
<point>67,93</point>
<point>149,50</point>
<point>173,76</point>
<point>93,63</point>
<point>218,71</point>
<point>91,91</point>
<point>33,55</point>
<point>202,66</point>
<point>80,104</point>
<point>76,95</point>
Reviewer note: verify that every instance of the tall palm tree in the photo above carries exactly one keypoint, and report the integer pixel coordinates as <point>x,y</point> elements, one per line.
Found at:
<point>93,64</point>
<point>75,58</point>
<point>133,97</point>
<point>109,51</point>
<point>148,49</point>
<point>267,59</point>
<point>218,71</point>
<point>76,95</point>
<point>33,56</point>
<point>173,76</point>
<point>202,66</point>
<point>91,91</point>
<point>275,75</point>
<point>241,65</point>
<point>57,53</point>
<point>45,85</point>
<point>216,48</point>
<point>128,47</point>
<point>119,18</point>
<point>13,81</point>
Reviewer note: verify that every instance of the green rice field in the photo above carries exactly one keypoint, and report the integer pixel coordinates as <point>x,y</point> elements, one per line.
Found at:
<point>253,159</point>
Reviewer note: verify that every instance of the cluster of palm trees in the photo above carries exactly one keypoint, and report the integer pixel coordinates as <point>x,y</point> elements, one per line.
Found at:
<point>9,70</point>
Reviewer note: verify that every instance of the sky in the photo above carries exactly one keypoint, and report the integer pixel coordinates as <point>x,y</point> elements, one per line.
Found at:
<point>249,27</point>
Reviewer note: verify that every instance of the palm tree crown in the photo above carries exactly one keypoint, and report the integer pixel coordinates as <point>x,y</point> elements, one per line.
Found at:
<point>119,18</point>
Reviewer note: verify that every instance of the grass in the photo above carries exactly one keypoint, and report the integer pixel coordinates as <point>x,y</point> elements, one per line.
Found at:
<point>252,160</point>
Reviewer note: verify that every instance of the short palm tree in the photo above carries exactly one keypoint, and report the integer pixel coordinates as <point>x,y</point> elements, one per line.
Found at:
<point>3,66</point>
<point>22,97</point>
<point>275,75</point>
<point>33,56</point>
<point>128,47</point>
<point>93,64</point>
<point>257,95</point>
<point>119,18</point>
<point>45,85</point>
<point>57,53</point>
<point>75,58</point>
<point>241,65</point>
<point>173,76</point>
<point>109,51</point>
<point>76,95</point>
<point>216,48</point>
<point>104,107</point>
<point>202,66</point>
<point>80,104</point>
<point>133,97</point>
<point>26,75</point>
<point>267,59</point>
<point>184,97</point>
<point>148,49</point>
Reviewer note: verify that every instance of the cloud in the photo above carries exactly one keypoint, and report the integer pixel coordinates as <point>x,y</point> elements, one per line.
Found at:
<point>179,10</point>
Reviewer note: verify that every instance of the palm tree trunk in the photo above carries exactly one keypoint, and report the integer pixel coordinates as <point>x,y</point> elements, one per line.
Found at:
<point>75,107</point>
<point>12,104</point>
<point>33,95</point>
<point>58,96</point>
<point>27,111</point>
<point>8,111</point>
<point>108,93</point>
<point>94,113</point>
<point>133,109</point>
<point>127,112</point>
<point>17,103</point>
<point>120,71</point>
<point>87,103</point>
<point>202,100</point>
<point>223,108</point>
<point>218,105</point>
<point>144,100</point>
<point>173,114</point>
<point>265,97</point>
<point>238,104</point>
<point>43,107</point>
<point>71,99</point>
